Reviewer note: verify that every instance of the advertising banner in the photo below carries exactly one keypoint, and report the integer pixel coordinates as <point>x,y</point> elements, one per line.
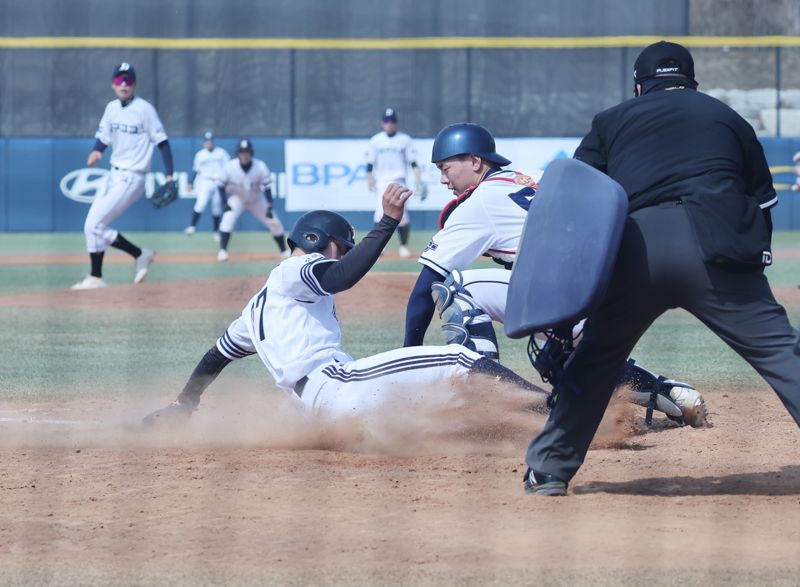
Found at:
<point>332,174</point>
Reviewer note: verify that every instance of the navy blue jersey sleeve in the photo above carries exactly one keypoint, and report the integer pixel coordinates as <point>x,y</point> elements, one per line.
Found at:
<point>419,310</point>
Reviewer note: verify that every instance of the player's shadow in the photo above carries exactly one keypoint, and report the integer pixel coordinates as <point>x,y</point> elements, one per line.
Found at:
<point>785,481</point>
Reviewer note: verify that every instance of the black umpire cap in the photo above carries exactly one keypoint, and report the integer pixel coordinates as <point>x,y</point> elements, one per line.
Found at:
<point>663,59</point>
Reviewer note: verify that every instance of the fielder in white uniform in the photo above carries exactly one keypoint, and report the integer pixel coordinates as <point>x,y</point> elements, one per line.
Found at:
<point>291,325</point>
<point>389,156</point>
<point>487,219</point>
<point>206,182</point>
<point>131,127</point>
<point>248,186</point>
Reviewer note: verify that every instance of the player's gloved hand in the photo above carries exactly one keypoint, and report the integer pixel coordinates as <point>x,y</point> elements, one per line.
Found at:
<point>165,194</point>
<point>270,214</point>
<point>421,190</point>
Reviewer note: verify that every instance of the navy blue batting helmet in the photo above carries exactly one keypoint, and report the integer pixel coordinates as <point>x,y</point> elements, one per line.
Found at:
<point>313,231</point>
<point>466,138</point>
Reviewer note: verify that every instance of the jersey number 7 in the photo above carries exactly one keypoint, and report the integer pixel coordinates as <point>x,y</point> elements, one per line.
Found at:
<point>258,306</point>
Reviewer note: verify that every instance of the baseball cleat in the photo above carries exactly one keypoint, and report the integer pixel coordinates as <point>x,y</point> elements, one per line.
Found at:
<point>143,264</point>
<point>681,402</point>
<point>90,282</point>
<point>285,254</point>
<point>691,404</point>
<point>216,237</point>
<point>222,256</point>
<point>544,484</point>
<point>404,252</point>
<point>189,230</point>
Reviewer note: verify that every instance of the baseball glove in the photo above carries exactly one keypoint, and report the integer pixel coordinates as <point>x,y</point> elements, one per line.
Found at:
<point>165,194</point>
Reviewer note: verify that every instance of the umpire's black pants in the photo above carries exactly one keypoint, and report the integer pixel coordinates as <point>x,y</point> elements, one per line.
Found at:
<point>660,267</point>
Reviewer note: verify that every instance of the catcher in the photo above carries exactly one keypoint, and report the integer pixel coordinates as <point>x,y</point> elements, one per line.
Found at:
<point>291,324</point>
<point>487,218</point>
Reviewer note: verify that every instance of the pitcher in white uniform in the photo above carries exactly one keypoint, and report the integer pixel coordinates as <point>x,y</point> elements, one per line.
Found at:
<point>389,156</point>
<point>291,325</point>
<point>131,127</point>
<point>206,182</point>
<point>248,186</point>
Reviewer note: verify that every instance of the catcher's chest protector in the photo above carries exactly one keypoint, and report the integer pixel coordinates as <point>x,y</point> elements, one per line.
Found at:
<point>568,248</point>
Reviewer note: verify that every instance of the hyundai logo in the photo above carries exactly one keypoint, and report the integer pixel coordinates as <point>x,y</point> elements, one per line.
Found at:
<point>82,185</point>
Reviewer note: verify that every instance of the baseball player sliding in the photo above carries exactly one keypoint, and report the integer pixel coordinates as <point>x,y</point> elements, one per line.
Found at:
<point>206,181</point>
<point>487,218</point>
<point>291,325</point>
<point>390,154</point>
<point>248,184</point>
<point>131,127</point>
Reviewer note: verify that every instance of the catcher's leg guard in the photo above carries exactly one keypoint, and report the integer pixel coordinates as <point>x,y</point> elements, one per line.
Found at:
<point>681,402</point>
<point>458,311</point>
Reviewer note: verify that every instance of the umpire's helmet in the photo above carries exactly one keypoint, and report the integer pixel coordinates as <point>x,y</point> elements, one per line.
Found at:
<point>466,138</point>
<point>313,231</point>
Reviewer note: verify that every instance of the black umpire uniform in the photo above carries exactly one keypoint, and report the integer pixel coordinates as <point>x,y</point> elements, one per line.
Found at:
<point>697,237</point>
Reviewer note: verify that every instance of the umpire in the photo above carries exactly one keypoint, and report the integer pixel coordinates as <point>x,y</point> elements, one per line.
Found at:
<point>697,237</point>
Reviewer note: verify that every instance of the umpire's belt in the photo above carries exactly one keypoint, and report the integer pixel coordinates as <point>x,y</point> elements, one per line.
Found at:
<point>300,386</point>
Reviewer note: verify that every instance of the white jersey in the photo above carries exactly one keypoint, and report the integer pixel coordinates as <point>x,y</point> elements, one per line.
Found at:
<point>210,164</point>
<point>391,156</point>
<point>488,222</point>
<point>248,185</point>
<point>291,323</point>
<point>131,131</point>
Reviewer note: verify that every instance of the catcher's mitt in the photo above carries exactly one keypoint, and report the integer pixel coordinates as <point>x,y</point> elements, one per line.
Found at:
<point>165,194</point>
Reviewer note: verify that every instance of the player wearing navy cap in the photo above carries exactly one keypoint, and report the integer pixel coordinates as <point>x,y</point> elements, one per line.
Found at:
<point>248,185</point>
<point>131,127</point>
<point>389,156</point>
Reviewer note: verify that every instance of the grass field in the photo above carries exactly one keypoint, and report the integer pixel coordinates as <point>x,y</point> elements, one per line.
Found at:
<point>50,348</point>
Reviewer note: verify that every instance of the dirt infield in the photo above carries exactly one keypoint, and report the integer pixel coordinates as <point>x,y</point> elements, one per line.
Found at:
<point>252,492</point>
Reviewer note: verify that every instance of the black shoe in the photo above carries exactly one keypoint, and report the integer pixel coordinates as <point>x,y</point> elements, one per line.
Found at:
<point>176,413</point>
<point>544,484</point>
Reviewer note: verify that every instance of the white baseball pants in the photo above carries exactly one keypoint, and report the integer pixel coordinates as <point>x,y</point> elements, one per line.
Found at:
<point>207,191</point>
<point>488,289</point>
<point>398,378</point>
<point>257,207</point>
<point>122,190</point>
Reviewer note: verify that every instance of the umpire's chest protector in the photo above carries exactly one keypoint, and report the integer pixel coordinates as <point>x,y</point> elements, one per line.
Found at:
<point>568,248</point>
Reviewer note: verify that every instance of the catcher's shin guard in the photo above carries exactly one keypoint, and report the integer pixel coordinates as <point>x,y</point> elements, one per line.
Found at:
<point>458,311</point>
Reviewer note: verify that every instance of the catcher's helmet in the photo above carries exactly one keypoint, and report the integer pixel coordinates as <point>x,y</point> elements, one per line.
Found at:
<point>466,138</point>
<point>313,231</point>
<point>244,146</point>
